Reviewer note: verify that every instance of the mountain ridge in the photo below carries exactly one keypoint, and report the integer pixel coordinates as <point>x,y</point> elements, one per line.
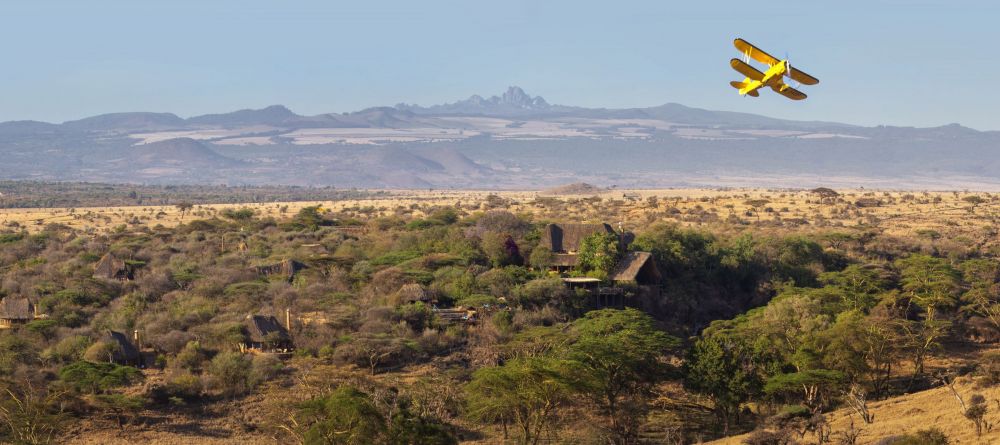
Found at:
<point>514,102</point>
<point>512,140</point>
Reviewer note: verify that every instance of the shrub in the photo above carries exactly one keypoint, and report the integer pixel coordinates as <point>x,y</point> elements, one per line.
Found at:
<point>87,377</point>
<point>14,350</point>
<point>230,373</point>
<point>416,315</point>
<point>102,351</point>
<point>191,357</point>
<point>989,368</point>
<point>345,416</point>
<point>264,367</point>
<point>185,386</point>
<point>68,349</point>
<point>931,436</point>
<point>763,437</point>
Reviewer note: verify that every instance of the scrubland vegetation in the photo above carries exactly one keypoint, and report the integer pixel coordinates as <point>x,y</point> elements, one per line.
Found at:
<point>785,316</point>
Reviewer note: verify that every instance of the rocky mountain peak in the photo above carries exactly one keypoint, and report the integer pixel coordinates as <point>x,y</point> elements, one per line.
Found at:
<point>517,98</point>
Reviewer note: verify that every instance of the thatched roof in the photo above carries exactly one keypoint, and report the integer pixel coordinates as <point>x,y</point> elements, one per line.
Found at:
<point>263,328</point>
<point>567,237</point>
<point>126,352</point>
<point>637,266</point>
<point>286,268</point>
<point>413,292</point>
<point>112,268</point>
<point>16,309</point>
<point>565,259</point>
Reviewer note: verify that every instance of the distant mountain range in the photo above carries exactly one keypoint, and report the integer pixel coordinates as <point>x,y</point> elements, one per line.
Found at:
<point>512,140</point>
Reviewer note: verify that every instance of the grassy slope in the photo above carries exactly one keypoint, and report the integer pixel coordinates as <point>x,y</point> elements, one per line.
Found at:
<point>935,407</point>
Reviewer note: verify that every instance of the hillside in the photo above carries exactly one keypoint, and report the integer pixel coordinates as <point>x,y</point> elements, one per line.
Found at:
<point>909,414</point>
<point>443,314</point>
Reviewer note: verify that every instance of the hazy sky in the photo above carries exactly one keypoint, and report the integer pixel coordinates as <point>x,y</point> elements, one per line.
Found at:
<point>921,63</point>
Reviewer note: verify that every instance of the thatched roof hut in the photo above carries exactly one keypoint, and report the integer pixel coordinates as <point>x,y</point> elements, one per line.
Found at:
<point>638,267</point>
<point>125,353</point>
<point>15,311</point>
<point>265,333</point>
<point>18,309</point>
<point>566,238</point>
<point>110,267</point>
<point>412,293</point>
<point>286,269</point>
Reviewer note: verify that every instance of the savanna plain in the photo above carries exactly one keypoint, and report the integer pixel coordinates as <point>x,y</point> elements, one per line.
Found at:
<point>572,315</point>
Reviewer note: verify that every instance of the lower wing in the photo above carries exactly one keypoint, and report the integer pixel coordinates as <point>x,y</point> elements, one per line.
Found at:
<point>746,69</point>
<point>802,77</point>
<point>790,93</point>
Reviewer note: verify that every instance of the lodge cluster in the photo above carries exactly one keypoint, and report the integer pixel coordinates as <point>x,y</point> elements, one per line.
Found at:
<point>634,277</point>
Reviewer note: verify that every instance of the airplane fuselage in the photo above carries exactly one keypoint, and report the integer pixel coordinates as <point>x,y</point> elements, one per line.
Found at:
<point>772,78</point>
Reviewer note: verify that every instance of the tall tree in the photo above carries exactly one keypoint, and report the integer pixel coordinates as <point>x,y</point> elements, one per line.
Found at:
<point>526,393</point>
<point>931,283</point>
<point>728,369</point>
<point>621,357</point>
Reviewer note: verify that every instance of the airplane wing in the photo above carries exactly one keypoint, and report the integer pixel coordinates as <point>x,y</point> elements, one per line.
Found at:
<point>755,53</point>
<point>746,69</point>
<point>801,77</point>
<point>791,93</point>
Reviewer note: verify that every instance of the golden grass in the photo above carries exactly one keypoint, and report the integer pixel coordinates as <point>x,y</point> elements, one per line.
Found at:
<point>909,413</point>
<point>902,214</point>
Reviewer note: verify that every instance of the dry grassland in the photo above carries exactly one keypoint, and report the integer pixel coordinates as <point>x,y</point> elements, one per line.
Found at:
<point>945,215</point>
<point>938,217</point>
<point>910,413</point>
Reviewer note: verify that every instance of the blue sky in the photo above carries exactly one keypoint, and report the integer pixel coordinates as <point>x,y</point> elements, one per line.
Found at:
<point>921,63</point>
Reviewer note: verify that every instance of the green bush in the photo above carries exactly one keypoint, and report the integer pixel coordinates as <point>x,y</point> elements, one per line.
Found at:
<point>231,373</point>
<point>93,378</point>
<point>69,349</point>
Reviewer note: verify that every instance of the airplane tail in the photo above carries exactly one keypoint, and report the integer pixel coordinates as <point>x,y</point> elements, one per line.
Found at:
<point>741,85</point>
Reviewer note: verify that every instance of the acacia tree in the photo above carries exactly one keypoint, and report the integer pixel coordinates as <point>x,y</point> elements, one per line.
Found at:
<point>861,285</point>
<point>982,276</point>
<point>345,416</point>
<point>621,354</point>
<point>813,387</point>
<point>866,348</point>
<point>919,338</point>
<point>526,393</point>
<point>756,205</point>
<point>930,282</point>
<point>184,207</point>
<point>933,284</point>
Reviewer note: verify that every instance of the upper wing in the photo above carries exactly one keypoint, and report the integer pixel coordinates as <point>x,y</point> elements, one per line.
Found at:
<point>755,53</point>
<point>801,77</point>
<point>791,93</point>
<point>745,69</point>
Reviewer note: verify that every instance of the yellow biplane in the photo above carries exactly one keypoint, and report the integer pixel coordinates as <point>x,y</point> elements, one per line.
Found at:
<point>773,77</point>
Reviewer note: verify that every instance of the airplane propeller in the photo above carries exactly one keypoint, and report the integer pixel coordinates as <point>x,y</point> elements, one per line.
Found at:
<point>788,69</point>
